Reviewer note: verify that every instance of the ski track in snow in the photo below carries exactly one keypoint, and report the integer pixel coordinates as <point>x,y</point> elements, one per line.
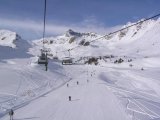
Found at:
<point>28,88</point>
<point>149,104</point>
<point>88,102</point>
<point>93,95</point>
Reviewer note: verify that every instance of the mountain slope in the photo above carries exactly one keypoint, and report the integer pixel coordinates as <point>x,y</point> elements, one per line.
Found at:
<point>13,46</point>
<point>22,79</point>
<point>8,38</point>
<point>143,38</point>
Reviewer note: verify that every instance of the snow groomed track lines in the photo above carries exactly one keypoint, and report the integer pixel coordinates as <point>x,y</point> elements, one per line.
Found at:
<point>139,96</point>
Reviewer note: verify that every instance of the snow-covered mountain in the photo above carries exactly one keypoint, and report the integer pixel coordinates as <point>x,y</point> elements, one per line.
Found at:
<point>12,45</point>
<point>68,40</point>
<point>141,40</point>
<point>124,85</point>
<point>8,38</point>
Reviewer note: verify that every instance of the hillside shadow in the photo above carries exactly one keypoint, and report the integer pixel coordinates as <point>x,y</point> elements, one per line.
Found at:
<point>29,118</point>
<point>104,77</point>
<point>12,53</point>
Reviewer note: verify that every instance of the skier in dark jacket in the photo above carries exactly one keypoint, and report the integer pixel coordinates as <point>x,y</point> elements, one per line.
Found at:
<point>69,98</point>
<point>11,113</point>
<point>77,82</point>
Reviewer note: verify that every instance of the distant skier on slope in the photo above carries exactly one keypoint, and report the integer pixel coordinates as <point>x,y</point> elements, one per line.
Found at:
<point>69,98</point>
<point>77,82</point>
<point>11,113</point>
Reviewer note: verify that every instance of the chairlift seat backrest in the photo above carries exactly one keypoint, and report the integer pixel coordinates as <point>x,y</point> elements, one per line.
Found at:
<point>43,59</point>
<point>43,56</point>
<point>67,61</point>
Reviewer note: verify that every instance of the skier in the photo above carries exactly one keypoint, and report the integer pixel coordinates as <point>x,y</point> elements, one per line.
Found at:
<point>77,82</point>
<point>87,81</point>
<point>11,113</point>
<point>67,85</point>
<point>69,98</point>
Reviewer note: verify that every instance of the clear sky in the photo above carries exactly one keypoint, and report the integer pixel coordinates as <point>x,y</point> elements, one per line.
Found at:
<point>26,16</point>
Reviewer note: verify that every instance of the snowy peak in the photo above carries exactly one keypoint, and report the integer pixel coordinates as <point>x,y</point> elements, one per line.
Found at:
<point>70,33</point>
<point>8,38</point>
<point>136,30</point>
<point>70,37</point>
<point>79,38</point>
<point>12,46</point>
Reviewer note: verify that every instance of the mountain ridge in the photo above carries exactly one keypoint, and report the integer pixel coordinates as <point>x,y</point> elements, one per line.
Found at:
<point>112,44</point>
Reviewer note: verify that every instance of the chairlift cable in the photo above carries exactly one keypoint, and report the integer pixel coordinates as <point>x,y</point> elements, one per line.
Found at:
<point>127,27</point>
<point>44,22</point>
<point>43,58</point>
<point>114,32</point>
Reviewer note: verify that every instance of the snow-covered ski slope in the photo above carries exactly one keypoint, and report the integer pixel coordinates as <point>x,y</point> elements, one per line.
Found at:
<point>21,79</point>
<point>89,101</point>
<point>107,91</point>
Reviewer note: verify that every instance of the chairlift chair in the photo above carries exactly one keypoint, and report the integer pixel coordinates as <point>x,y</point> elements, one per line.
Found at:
<point>67,61</point>
<point>43,58</point>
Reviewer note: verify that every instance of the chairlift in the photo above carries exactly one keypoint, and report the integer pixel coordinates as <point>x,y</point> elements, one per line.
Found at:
<point>67,61</point>
<point>43,58</point>
<point>55,57</point>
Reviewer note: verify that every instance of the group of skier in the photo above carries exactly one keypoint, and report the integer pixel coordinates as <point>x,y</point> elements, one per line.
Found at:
<point>68,86</point>
<point>78,84</point>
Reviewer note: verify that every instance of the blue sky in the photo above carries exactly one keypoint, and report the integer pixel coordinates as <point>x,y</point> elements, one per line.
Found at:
<point>102,16</point>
